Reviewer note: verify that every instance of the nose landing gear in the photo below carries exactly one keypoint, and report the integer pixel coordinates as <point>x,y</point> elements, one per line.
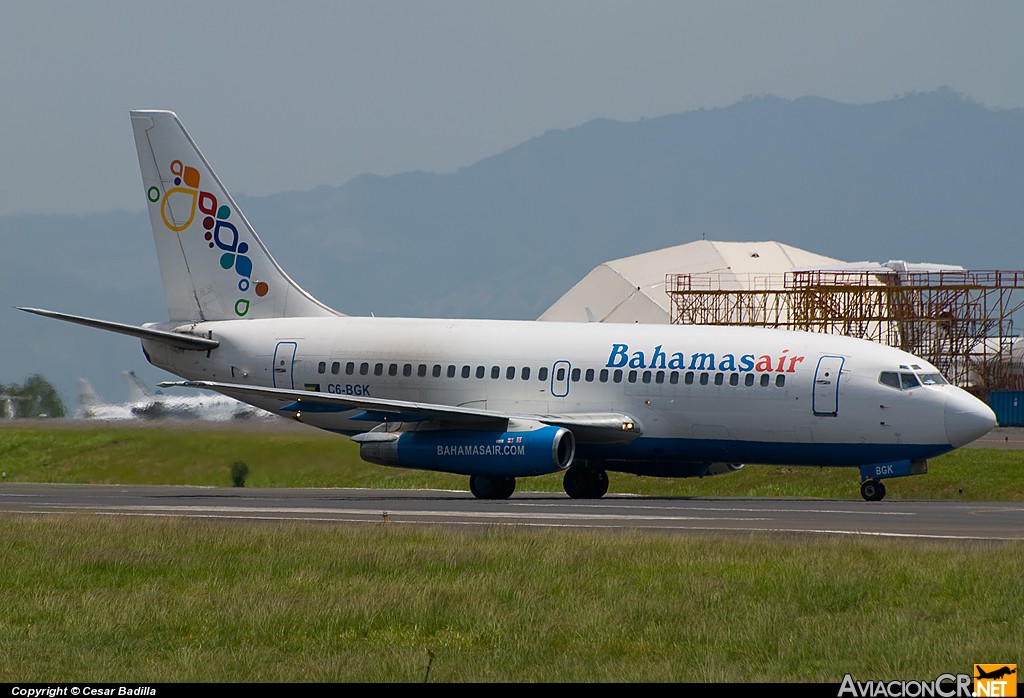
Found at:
<point>871,487</point>
<point>872,490</point>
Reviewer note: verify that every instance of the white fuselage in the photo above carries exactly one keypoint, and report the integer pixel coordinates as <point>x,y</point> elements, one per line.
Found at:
<point>698,393</point>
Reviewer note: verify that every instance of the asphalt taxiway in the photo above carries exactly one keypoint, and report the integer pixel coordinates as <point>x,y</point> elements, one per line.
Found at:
<point>945,519</point>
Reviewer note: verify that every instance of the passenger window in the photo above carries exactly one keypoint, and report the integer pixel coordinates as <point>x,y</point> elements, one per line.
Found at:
<point>378,369</point>
<point>350,368</point>
<point>780,380</point>
<point>673,378</point>
<point>560,374</point>
<point>703,379</point>
<point>393,370</point>
<point>336,368</point>
<point>631,377</point>
<point>407,370</point>
<point>734,379</point>
<point>890,378</point>
<point>719,378</point>
<point>575,375</point>
<point>495,372</point>
<point>765,380</point>
<point>525,373</point>
<point>647,377</point>
<point>451,371</point>
<point>689,378</point>
<point>436,371</point>
<point>659,377</point>
<point>589,375</point>
<point>465,371</point>
<point>603,375</point>
<point>321,367</point>
<point>480,371</point>
<point>421,371</point>
<point>510,373</point>
<point>748,379</point>
<point>364,368</point>
<point>542,374</point>
<point>617,376</point>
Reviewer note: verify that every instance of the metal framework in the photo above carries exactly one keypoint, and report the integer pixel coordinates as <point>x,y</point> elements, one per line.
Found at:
<point>961,321</point>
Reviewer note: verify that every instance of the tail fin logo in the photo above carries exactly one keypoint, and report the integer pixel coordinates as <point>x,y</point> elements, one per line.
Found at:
<point>180,204</point>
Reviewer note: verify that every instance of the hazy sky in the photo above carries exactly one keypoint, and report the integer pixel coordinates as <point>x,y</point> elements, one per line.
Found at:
<point>284,96</point>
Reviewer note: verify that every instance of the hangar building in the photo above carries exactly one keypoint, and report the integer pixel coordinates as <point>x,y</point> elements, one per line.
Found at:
<point>632,289</point>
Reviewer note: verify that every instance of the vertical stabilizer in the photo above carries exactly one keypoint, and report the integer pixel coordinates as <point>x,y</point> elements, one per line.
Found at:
<point>87,397</point>
<point>137,390</point>
<point>213,265</point>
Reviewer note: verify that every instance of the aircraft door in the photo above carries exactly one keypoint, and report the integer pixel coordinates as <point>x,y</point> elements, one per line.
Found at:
<point>284,365</point>
<point>825,401</point>
<point>560,378</point>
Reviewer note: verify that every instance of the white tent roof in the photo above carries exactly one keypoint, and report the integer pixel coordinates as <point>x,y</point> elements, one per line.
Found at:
<point>632,289</point>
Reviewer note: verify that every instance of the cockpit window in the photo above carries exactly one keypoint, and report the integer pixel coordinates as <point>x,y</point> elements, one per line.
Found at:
<point>890,378</point>
<point>908,381</point>
<point>905,380</point>
<point>932,379</point>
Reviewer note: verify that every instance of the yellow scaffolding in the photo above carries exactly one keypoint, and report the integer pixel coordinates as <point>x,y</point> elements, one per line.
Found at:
<point>960,321</point>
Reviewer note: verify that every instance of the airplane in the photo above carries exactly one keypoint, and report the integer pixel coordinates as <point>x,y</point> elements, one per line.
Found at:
<point>499,400</point>
<point>9,406</point>
<point>144,403</point>
<point>995,674</point>
<point>91,405</point>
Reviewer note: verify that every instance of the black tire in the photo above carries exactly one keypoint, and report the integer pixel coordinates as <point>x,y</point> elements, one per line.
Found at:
<point>585,482</point>
<point>872,490</point>
<point>487,487</point>
<point>599,483</point>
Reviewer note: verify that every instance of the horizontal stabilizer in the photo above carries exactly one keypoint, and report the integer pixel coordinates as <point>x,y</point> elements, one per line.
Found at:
<point>174,339</point>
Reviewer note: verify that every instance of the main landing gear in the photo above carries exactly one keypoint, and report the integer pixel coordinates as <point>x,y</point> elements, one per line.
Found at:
<point>872,490</point>
<point>490,487</point>
<point>585,481</point>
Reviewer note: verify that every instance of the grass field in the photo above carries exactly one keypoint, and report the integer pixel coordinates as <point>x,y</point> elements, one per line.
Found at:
<point>93,599</point>
<point>102,599</point>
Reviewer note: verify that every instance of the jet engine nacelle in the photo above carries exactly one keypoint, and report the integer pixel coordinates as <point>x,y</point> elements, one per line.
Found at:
<point>535,450</point>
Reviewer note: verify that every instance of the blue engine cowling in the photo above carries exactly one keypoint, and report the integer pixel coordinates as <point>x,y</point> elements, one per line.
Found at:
<point>538,451</point>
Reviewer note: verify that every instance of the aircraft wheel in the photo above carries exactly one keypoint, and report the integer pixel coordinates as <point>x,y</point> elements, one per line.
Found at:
<point>585,482</point>
<point>872,490</point>
<point>599,483</point>
<point>486,487</point>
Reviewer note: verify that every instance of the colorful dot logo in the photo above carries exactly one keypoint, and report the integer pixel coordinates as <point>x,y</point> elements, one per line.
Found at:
<point>180,204</point>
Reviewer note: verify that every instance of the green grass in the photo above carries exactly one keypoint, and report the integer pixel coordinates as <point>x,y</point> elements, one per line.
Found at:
<point>318,459</point>
<point>96,599</point>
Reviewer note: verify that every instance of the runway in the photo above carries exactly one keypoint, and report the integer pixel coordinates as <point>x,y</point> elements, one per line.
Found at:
<point>940,520</point>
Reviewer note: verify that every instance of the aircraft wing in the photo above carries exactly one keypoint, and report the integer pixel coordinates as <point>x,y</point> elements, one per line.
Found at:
<point>603,427</point>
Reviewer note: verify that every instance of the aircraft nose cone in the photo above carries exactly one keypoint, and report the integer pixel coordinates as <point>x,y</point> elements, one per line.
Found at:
<point>967,418</point>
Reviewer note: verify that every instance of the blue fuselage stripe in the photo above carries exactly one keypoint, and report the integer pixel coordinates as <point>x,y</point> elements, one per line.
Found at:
<point>721,450</point>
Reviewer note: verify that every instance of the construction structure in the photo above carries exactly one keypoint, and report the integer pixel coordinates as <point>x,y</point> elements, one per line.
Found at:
<point>959,320</point>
